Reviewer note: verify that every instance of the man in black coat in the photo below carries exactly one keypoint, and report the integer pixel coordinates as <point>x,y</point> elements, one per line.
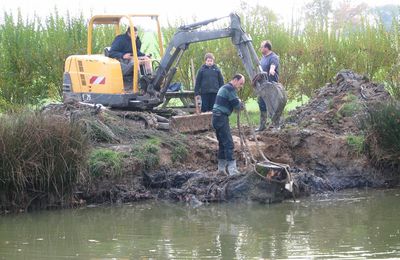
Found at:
<point>121,49</point>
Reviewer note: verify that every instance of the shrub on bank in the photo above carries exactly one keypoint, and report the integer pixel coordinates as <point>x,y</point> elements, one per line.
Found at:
<point>41,159</point>
<point>383,134</point>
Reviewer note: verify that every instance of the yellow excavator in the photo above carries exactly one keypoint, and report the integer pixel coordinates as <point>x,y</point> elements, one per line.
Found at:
<point>98,79</point>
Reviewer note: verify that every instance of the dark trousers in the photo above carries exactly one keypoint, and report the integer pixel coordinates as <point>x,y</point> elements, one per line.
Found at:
<point>220,122</point>
<point>126,67</point>
<point>261,104</point>
<point>260,101</point>
<point>207,101</point>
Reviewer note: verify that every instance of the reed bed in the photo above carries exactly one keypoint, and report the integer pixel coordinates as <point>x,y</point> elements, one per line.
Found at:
<point>42,158</point>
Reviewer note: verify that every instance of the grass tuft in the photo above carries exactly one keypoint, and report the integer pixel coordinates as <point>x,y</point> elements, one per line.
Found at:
<point>105,162</point>
<point>147,154</point>
<point>179,153</point>
<point>357,143</point>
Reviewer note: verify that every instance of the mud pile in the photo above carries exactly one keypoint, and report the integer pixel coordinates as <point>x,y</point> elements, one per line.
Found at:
<point>315,139</point>
<point>337,107</point>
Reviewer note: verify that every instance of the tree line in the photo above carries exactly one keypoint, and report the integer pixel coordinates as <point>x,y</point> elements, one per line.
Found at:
<point>312,50</point>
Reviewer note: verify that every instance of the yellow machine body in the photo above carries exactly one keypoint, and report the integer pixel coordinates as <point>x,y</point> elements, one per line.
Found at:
<point>96,78</point>
<point>95,74</point>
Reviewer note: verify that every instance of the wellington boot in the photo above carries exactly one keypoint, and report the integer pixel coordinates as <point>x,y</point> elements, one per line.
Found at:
<point>232,168</point>
<point>222,163</point>
<point>263,121</point>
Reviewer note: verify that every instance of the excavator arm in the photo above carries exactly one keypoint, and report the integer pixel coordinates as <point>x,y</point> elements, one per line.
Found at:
<point>272,93</point>
<point>192,33</point>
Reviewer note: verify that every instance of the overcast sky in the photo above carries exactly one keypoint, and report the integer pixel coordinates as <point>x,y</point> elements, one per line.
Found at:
<point>168,9</point>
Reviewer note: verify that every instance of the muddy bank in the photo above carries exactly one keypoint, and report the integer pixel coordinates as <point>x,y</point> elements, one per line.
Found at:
<point>195,187</point>
<point>129,160</point>
<point>314,141</point>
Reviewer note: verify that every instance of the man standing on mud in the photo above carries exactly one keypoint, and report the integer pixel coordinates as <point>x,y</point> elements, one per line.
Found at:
<point>270,64</point>
<point>226,100</point>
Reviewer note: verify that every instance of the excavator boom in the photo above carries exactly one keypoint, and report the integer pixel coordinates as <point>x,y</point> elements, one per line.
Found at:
<point>193,33</point>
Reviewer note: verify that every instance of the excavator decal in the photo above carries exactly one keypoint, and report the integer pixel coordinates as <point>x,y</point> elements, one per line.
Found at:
<point>97,80</point>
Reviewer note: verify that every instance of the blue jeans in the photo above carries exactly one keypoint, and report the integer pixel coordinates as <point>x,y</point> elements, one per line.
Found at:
<point>207,101</point>
<point>261,104</point>
<point>220,122</point>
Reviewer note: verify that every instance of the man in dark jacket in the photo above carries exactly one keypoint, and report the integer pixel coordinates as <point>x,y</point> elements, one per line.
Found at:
<point>208,81</point>
<point>121,49</point>
<point>227,100</point>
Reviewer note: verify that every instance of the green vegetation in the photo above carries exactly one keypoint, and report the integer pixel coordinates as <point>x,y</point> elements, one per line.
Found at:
<point>350,107</point>
<point>41,160</point>
<point>105,162</point>
<point>357,143</point>
<point>98,131</point>
<point>311,52</point>
<point>147,154</point>
<point>383,138</point>
<point>179,153</point>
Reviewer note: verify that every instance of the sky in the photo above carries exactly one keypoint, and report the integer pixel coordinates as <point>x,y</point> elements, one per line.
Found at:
<point>169,10</point>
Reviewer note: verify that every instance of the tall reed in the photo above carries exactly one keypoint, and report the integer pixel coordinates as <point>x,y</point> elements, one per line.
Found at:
<point>41,159</point>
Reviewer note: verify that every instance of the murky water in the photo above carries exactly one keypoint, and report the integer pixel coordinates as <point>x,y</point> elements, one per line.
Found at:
<point>352,224</point>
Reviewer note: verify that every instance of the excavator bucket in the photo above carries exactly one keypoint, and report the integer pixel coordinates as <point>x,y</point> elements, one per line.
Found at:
<point>191,123</point>
<point>273,94</point>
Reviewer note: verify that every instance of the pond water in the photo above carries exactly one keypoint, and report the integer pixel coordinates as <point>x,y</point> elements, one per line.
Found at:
<point>356,224</point>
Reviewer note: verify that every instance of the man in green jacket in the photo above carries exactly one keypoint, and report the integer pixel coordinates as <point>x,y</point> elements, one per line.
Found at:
<point>226,100</point>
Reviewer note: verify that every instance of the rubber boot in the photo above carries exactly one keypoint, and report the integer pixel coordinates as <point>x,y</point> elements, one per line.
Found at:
<point>222,166</point>
<point>232,168</point>
<point>263,121</point>
<point>276,124</point>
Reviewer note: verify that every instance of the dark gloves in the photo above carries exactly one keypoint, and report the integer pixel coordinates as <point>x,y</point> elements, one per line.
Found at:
<point>242,105</point>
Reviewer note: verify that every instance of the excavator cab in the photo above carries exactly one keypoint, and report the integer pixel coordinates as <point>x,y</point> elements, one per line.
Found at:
<point>98,79</point>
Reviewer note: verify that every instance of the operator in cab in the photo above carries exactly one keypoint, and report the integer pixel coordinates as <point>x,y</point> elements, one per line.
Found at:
<point>121,49</point>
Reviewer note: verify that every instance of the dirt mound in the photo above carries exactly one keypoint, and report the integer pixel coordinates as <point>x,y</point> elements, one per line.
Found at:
<point>317,140</point>
<point>337,107</point>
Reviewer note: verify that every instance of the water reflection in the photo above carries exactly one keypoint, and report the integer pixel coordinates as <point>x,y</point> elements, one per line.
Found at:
<point>351,224</point>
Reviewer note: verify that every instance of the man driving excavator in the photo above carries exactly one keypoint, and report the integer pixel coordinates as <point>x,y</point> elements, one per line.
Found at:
<point>121,49</point>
